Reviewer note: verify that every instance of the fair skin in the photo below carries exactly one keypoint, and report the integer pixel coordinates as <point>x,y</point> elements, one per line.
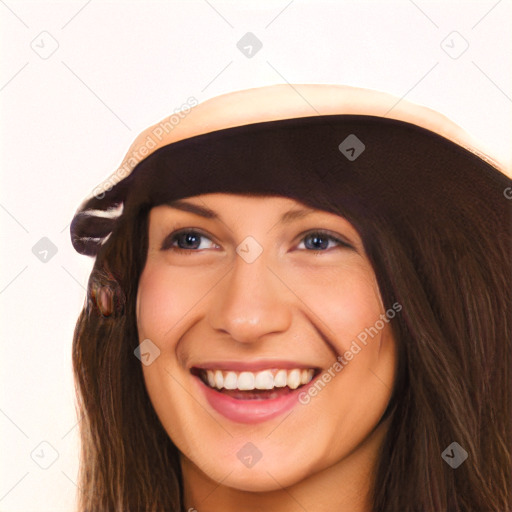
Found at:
<point>302,300</point>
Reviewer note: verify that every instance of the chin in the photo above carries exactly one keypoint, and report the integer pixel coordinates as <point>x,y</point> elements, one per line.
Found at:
<point>268,474</point>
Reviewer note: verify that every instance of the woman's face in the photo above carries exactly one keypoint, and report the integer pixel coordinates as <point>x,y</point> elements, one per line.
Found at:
<point>243,292</point>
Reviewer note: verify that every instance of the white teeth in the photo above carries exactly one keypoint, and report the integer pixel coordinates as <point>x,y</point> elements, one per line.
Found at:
<point>307,376</point>
<point>293,381</point>
<point>265,379</point>
<point>219,379</point>
<point>246,381</point>
<point>230,380</point>
<point>280,379</point>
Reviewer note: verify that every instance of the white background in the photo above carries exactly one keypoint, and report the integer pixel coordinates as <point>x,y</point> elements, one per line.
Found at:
<point>67,121</point>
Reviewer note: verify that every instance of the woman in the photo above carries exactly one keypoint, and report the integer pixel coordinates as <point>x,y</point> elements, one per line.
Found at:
<point>300,301</point>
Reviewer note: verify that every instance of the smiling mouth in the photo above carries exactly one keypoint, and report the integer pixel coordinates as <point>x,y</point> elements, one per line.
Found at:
<point>262,385</point>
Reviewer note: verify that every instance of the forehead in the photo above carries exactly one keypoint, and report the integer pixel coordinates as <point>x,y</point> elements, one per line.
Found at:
<point>230,201</point>
<point>215,205</point>
<point>252,209</point>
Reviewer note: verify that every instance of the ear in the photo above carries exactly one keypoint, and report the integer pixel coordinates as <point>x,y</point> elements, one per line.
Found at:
<point>105,300</point>
<point>105,294</point>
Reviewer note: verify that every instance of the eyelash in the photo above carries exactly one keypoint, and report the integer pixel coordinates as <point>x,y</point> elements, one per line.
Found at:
<point>173,237</point>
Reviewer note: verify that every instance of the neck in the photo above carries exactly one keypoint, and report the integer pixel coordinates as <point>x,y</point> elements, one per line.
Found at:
<point>345,486</point>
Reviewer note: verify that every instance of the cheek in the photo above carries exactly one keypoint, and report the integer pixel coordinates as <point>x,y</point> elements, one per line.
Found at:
<point>158,304</point>
<point>167,295</point>
<point>346,301</point>
<point>356,391</point>
<point>349,306</point>
<point>364,331</point>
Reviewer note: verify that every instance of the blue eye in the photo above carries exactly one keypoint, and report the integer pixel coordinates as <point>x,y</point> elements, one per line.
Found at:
<point>189,240</point>
<point>320,241</point>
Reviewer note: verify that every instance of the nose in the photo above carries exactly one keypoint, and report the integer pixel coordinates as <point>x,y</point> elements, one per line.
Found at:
<point>251,302</point>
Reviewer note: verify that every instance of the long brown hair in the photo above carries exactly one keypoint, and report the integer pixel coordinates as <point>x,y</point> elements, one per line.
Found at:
<point>128,462</point>
<point>445,258</point>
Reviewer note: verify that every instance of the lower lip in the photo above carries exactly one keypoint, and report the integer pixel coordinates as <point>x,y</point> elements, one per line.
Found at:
<point>250,411</point>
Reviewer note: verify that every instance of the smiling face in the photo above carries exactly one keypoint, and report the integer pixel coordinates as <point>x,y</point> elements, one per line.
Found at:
<point>271,332</point>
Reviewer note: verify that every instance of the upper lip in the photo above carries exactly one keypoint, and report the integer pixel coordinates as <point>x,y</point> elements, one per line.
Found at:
<point>252,366</point>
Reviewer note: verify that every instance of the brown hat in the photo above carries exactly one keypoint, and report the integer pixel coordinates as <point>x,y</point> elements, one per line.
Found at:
<point>359,130</point>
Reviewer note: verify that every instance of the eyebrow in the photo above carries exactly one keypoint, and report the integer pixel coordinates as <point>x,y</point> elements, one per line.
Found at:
<point>205,212</point>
